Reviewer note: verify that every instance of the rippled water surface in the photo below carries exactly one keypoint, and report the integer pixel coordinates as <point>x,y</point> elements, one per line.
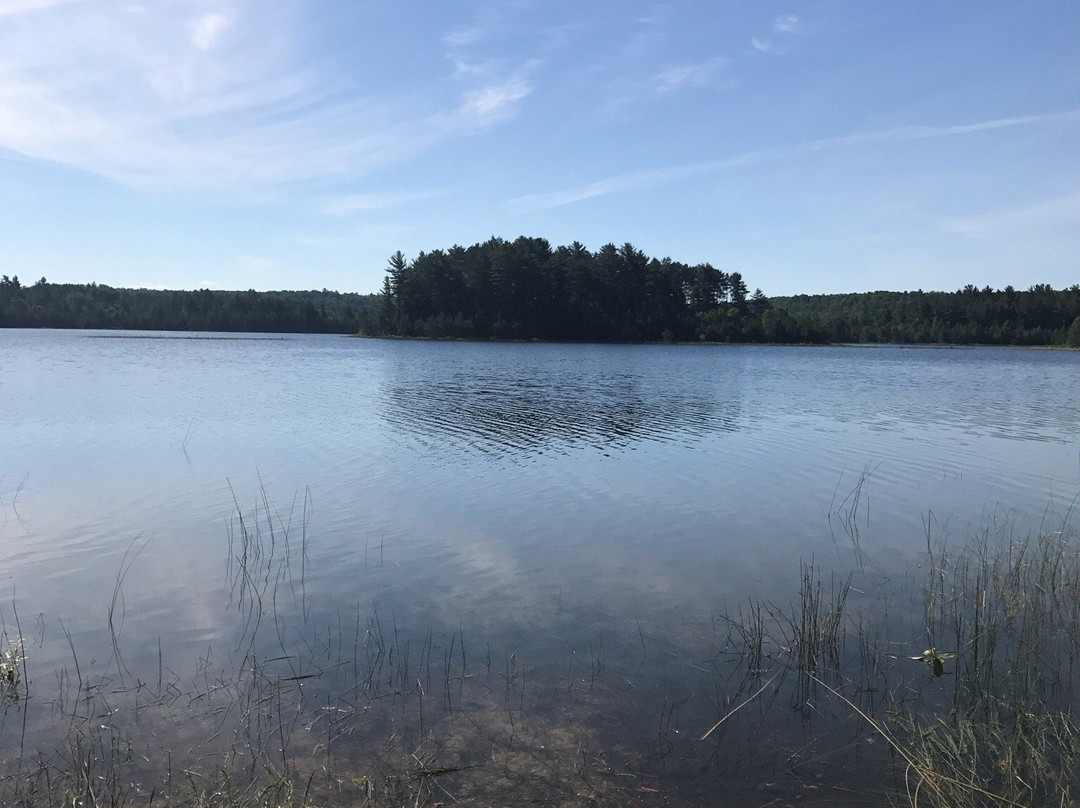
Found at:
<point>527,496</point>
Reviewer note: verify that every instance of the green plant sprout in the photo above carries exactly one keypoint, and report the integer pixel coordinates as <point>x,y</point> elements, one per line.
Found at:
<point>934,660</point>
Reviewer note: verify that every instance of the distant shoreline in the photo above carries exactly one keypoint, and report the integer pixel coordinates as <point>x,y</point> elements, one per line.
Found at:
<point>278,336</point>
<point>910,345</point>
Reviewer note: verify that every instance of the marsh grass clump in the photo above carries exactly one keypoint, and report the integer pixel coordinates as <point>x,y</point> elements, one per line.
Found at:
<point>975,689</point>
<point>1008,734</point>
<point>804,637</point>
<point>817,624</point>
<point>1010,755</point>
<point>812,631</point>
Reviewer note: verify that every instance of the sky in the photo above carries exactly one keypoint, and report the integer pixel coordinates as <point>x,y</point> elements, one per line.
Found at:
<point>814,147</point>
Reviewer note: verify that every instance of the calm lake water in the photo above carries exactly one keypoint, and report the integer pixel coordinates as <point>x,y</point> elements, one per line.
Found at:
<point>544,501</point>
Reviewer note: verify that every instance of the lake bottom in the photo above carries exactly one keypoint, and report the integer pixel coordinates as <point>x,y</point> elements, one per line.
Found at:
<point>820,698</point>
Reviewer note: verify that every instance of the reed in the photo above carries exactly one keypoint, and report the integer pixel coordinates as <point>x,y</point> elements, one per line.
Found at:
<point>979,704</point>
<point>1012,612</point>
<point>966,696</point>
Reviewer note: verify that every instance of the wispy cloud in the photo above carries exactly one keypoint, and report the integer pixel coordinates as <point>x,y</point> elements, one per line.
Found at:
<point>916,132</point>
<point>206,29</point>
<point>212,94</point>
<point>625,182</point>
<point>689,75</point>
<point>648,32</point>
<point>645,179</point>
<point>490,19</point>
<point>496,100</point>
<point>786,24</point>
<point>764,45</point>
<point>469,48</point>
<point>496,87</point>
<point>783,27</point>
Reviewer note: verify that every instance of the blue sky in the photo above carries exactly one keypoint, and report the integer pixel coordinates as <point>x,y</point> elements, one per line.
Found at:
<point>286,144</point>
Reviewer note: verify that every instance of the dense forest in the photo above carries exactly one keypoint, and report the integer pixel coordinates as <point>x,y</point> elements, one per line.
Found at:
<point>64,305</point>
<point>1038,316</point>
<point>525,289</point>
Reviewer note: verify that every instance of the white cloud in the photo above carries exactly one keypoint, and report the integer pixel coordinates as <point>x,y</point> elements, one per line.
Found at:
<point>987,126</point>
<point>495,101</point>
<point>681,76</point>
<point>150,96</point>
<point>783,26</point>
<point>764,45</point>
<point>206,29</point>
<point>616,184</point>
<point>465,69</point>
<point>497,87</point>
<point>786,24</point>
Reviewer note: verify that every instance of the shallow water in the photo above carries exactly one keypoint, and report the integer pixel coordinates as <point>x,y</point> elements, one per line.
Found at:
<point>572,505</point>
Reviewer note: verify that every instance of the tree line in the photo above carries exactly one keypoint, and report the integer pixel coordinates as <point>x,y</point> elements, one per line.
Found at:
<point>526,289</point>
<point>1039,315</point>
<point>65,305</point>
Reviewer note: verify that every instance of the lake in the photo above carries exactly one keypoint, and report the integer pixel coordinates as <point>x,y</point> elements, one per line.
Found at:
<point>531,533</point>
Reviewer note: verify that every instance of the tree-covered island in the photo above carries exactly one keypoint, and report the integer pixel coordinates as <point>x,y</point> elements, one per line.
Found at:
<point>528,290</point>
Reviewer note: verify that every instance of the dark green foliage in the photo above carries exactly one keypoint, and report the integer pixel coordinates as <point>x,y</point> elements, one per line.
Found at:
<point>1072,339</point>
<point>526,289</point>
<point>1038,316</point>
<point>53,305</point>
